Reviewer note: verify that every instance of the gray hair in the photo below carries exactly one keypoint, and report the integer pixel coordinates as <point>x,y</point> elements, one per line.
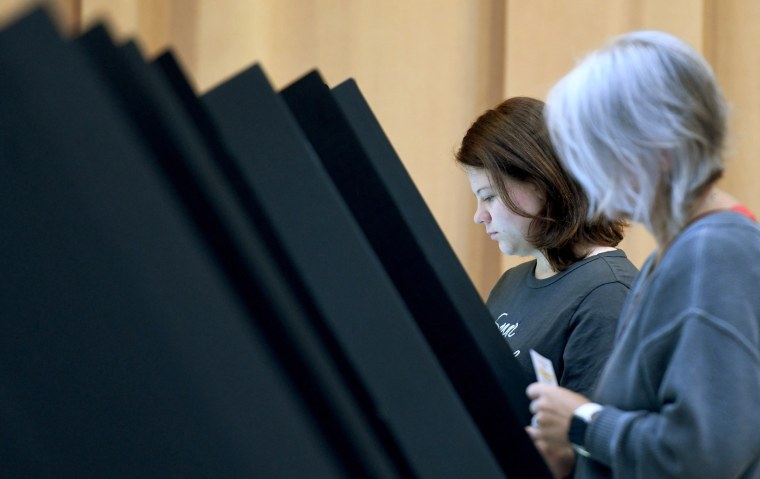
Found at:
<point>641,124</point>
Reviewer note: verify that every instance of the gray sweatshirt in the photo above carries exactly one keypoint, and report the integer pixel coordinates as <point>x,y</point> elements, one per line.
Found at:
<point>681,391</point>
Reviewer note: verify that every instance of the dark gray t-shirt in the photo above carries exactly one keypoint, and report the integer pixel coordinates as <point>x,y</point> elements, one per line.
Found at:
<point>569,318</point>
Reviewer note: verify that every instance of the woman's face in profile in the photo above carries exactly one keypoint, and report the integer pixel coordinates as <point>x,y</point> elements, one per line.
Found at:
<point>502,224</point>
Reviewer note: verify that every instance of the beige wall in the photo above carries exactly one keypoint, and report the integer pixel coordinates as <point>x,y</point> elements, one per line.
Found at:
<point>545,38</point>
<point>429,67</point>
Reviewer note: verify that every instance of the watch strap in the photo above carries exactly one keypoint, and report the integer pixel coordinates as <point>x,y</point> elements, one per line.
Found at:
<point>582,416</point>
<point>587,411</point>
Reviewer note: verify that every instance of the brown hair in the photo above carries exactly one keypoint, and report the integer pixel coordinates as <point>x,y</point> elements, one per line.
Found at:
<point>512,141</point>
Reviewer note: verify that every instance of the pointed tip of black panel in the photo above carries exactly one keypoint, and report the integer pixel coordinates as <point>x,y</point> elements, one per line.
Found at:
<point>132,47</point>
<point>168,59</point>
<point>172,69</point>
<point>97,35</point>
<point>312,77</point>
<point>347,83</point>
<point>38,19</point>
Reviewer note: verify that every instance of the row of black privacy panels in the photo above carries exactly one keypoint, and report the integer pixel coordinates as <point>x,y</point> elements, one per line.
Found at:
<point>244,283</point>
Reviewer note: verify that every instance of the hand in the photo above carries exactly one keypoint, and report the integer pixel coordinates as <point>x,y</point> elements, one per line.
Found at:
<point>560,460</point>
<point>552,408</point>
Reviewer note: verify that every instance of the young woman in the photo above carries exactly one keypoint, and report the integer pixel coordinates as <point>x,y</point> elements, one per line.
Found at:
<point>565,303</point>
<point>641,123</point>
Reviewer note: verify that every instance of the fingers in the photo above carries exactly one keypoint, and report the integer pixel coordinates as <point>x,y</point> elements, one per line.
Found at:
<point>534,422</point>
<point>535,390</point>
<point>549,397</point>
<point>543,401</point>
<point>536,436</point>
<point>559,458</point>
<point>536,410</point>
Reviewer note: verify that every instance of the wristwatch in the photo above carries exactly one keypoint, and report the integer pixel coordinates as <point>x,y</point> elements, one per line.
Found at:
<point>578,424</point>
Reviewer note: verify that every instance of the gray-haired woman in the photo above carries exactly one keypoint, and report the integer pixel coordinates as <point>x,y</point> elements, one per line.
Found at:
<point>641,124</point>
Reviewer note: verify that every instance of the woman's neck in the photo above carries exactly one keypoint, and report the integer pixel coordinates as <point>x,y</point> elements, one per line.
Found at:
<point>543,267</point>
<point>595,250</point>
<point>714,199</point>
<point>545,270</point>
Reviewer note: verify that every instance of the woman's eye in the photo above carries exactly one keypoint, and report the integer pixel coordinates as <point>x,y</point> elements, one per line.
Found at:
<point>488,199</point>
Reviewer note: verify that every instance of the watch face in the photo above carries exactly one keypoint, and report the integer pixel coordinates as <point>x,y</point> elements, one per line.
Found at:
<point>577,433</point>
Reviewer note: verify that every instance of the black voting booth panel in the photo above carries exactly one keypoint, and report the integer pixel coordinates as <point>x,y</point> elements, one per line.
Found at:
<point>395,219</point>
<point>338,273</point>
<point>127,348</point>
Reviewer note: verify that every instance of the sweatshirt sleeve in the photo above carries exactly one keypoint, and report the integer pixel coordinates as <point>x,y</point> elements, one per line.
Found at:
<point>710,416</point>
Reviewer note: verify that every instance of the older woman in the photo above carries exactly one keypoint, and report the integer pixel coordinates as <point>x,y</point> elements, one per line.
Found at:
<point>641,123</point>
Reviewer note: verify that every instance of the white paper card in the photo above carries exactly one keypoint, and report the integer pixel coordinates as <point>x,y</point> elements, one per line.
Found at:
<point>544,368</point>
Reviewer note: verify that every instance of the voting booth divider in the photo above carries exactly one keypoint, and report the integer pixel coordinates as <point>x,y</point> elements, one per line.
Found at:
<point>243,283</point>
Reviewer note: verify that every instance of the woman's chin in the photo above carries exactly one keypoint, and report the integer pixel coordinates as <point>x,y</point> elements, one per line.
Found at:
<point>507,249</point>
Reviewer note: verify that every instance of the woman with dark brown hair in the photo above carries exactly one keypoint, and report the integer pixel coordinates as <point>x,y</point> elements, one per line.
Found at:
<point>565,303</point>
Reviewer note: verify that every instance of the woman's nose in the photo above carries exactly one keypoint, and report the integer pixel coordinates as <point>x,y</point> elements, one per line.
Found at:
<point>481,216</point>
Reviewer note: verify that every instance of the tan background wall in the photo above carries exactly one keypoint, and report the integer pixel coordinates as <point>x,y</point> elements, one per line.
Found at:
<point>429,67</point>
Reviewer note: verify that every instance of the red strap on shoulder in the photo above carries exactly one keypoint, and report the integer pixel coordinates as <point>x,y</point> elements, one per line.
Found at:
<point>745,211</point>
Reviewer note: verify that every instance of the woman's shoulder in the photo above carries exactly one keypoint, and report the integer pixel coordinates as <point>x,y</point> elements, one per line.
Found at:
<point>720,245</point>
<point>517,273</point>
<point>607,267</point>
<point>727,234</point>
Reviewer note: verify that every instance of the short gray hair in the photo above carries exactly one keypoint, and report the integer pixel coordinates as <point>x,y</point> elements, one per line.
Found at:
<point>641,124</point>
